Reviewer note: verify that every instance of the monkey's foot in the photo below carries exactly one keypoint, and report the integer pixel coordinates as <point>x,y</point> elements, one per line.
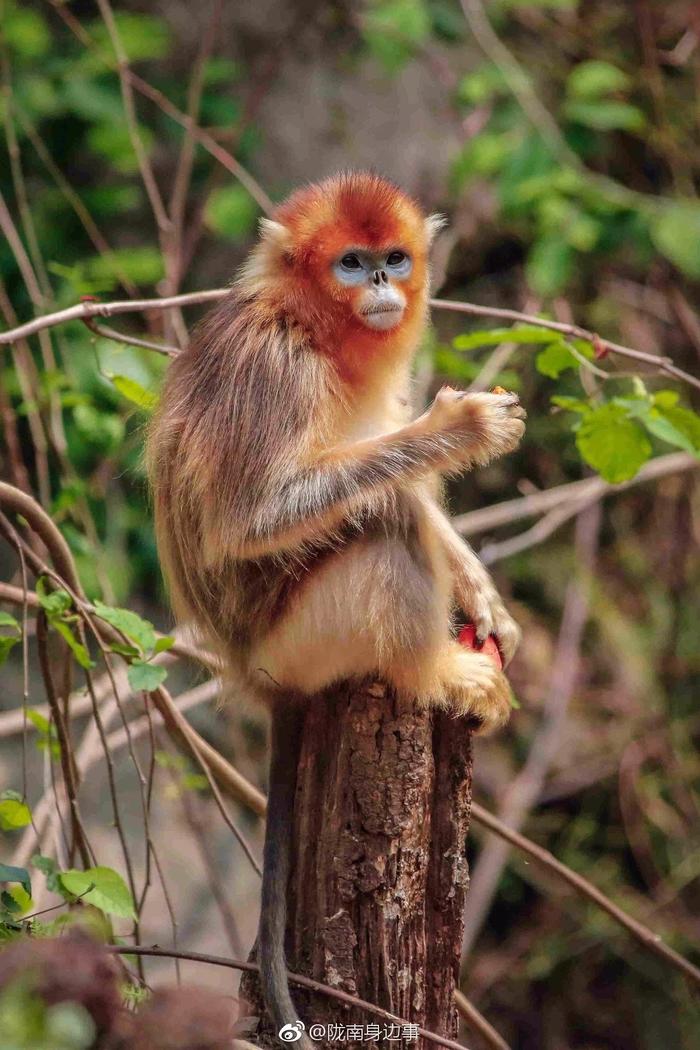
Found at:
<point>473,687</point>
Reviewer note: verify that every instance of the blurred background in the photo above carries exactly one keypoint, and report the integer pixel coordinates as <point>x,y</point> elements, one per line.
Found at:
<point>561,140</point>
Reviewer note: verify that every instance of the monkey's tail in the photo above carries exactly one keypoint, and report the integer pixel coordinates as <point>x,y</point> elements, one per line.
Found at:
<point>287,720</point>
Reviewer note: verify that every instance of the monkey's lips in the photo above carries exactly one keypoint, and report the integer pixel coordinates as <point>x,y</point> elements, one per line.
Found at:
<point>382,315</point>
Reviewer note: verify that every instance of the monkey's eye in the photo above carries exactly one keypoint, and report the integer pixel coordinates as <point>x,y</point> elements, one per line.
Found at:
<point>396,258</point>
<point>350,262</point>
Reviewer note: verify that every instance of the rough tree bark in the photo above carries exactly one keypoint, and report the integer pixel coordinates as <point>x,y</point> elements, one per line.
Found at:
<point>377,892</point>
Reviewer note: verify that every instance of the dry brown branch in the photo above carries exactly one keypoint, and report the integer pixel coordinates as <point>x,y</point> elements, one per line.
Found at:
<point>83,310</point>
<point>469,1013</point>
<point>574,492</point>
<point>573,331</point>
<point>303,982</point>
<point>89,309</point>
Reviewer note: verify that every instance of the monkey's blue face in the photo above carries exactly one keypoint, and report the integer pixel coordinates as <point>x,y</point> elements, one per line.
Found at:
<point>375,278</point>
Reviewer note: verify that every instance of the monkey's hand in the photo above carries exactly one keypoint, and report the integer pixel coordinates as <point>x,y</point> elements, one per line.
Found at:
<point>484,425</point>
<point>490,617</point>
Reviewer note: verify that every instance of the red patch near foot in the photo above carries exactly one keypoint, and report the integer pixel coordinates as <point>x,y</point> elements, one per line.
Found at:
<point>489,647</point>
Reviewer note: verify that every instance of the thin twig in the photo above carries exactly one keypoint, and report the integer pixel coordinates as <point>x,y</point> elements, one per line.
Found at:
<point>469,1013</point>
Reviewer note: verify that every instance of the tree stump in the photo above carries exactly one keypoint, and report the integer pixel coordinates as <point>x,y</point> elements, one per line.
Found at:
<point>376,895</point>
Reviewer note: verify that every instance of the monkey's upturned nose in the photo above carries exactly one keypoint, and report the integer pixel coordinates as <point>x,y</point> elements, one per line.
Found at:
<point>380,277</point>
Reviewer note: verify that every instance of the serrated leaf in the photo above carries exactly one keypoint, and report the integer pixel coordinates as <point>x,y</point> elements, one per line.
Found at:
<point>495,336</point>
<point>145,677</point>
<point>134,392</point>
<point>9,873</point>
<point>141,632</point>
<point>555,359</point>
<point>612,443</point>
<point>102,887</point>
<point>14,814</point>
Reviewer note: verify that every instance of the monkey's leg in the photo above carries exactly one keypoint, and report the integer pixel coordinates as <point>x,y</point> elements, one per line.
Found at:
<point>382,608</point>
<point>459,431</point>
<point>460,680</point>
<point>474,589</point>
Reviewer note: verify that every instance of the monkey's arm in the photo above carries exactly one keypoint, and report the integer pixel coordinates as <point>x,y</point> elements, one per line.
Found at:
<point>473,587</point>
<point>457,432</point>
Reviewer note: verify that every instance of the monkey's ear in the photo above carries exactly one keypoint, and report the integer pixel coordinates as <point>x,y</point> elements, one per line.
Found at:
<point>275,234</point>
<point>433,225</point>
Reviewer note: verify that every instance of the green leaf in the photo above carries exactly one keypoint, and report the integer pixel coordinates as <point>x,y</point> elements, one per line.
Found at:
<point>7,644</point>
<point>54,603</point>
<point>14,813</point>
<point>392,29</point>
<point>102,887</point>
<point>49,868</point>
<point>163,644</point>
<point>112,140</point>
<point>145,677</point>
<point>555,359</point>
<point>8,620</point>
<point>592,79</point>
<point>25,32</point>
<point>132,390</point>
<point>676,233</point>
<point>606,115</point>
<point>676,425</point>
<point>612,443</point>
<point>138,630</point>
<point>495,336</point>
<point>79,651</point>
<point>143,36</point>
<point>232,212</point>
<point>144,265</point>
<point>549,265</point>
<point>571,404</point>
<point>16,899</point>
<point>8,873</point>
<point>47,735</point>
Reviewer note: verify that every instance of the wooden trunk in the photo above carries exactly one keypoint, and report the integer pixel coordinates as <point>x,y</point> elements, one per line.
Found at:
<point>377,891</point>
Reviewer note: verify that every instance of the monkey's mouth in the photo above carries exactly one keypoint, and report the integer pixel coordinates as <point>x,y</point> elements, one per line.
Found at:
<point>383,308</point>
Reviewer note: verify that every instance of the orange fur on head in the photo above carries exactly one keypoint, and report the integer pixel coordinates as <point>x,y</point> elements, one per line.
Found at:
<point>294,266</point>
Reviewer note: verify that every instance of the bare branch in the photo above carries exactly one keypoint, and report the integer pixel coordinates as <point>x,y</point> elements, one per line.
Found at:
<point>89,309</point>
<point>304,982</point>
<point>573,331</point>
<point>508,511</point>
